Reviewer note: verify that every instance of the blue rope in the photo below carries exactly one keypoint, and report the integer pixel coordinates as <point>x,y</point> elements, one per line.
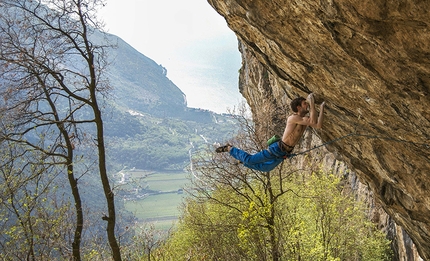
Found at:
<point>427,146</point>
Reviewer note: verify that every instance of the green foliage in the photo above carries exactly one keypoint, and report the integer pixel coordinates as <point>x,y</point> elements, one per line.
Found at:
<point>205,232</point>
<point>326,225</point>
<point>313,221</point>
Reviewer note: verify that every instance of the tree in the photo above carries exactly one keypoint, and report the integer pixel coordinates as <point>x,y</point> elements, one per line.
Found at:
<point>144,243</point>
<point>254,195</point>
<point>32,218</point>
<point>313,221</point>
<point>288,214</point>
<point>52,79</point>
<point>324,224</point>
<point>206,231</point>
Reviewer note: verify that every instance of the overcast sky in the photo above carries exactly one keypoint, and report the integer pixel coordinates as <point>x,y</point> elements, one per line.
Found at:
<point>190,39</point>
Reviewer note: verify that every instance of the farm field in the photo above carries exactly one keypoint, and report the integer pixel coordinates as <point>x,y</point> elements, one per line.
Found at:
<point>161,208</point>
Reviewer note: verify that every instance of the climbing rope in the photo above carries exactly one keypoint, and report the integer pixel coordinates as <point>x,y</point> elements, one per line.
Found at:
<point>427,146</point>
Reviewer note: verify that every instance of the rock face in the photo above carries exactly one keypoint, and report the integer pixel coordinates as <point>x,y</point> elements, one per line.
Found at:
<point>370,62</point>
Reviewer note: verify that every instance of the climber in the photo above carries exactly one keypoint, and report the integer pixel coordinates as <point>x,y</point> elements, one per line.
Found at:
<point>268,159</point>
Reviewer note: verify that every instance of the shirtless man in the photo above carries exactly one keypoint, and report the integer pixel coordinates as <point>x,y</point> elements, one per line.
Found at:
<point>268,159</point>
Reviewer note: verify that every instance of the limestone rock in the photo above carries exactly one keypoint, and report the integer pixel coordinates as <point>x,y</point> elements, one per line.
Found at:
<point>370,62</point>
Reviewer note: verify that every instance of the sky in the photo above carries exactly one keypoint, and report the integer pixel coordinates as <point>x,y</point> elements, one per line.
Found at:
<point>190,39</point>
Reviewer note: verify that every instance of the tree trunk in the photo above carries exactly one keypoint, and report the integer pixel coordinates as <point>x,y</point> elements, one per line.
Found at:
<point>76,245</point>
<point>111,218</point>
<point>271,223</point>
<point>106,186</point>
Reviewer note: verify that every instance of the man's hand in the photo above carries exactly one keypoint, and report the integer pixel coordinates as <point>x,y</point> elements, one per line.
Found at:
<point>310,99</point>
<point>322,105</point>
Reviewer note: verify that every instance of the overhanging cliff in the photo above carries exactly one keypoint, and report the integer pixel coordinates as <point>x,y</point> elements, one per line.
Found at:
<point>370,62</point>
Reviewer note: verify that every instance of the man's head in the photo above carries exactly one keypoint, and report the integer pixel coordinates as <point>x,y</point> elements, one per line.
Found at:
<point>297,102</point>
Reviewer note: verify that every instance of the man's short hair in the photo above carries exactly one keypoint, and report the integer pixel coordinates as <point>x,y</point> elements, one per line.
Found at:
<point>296,102</point>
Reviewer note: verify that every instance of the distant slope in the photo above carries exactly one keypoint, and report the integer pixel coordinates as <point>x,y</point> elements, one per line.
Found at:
<point>141,84</point>
<point>147,122</point>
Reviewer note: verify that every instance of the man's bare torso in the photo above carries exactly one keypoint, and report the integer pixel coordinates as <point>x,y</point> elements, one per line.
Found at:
<point>293,131</point>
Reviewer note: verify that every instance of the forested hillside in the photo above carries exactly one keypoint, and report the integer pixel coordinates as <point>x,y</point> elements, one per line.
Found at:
<point>147,142</point>
<point>148,123</point>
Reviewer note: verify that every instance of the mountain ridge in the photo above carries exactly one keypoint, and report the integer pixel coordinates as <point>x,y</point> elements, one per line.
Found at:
<point>148,124</point>
<point>139,83</point>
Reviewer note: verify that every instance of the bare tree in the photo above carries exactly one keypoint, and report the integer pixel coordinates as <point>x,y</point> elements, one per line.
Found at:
<point>52,79</point>
<point>145,241</point>
<point>261,190</point>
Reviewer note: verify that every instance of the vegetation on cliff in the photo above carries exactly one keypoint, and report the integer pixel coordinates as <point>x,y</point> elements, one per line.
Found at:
<point>311,221</point>
<point>235,213</point>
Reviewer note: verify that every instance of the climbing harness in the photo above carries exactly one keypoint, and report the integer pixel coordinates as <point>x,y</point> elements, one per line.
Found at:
<point>292,155</point>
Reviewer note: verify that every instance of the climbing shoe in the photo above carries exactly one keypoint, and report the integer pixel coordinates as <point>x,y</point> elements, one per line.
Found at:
<point>223,148</point>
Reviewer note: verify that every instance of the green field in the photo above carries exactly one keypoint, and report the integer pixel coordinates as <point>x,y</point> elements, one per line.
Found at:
<point>167,181</point>
<point>160,208</point>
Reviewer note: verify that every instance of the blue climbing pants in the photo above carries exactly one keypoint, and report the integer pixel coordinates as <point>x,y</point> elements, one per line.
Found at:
<point>265,160</point>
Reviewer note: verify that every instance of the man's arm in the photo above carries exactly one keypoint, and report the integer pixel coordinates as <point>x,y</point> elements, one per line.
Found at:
<point>307,121</point>
<point>320,117</point>
<point>312,111</point>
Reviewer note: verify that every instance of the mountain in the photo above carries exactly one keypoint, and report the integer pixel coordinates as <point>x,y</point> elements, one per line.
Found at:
<point>147,123</point>
<point>141,84</point>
